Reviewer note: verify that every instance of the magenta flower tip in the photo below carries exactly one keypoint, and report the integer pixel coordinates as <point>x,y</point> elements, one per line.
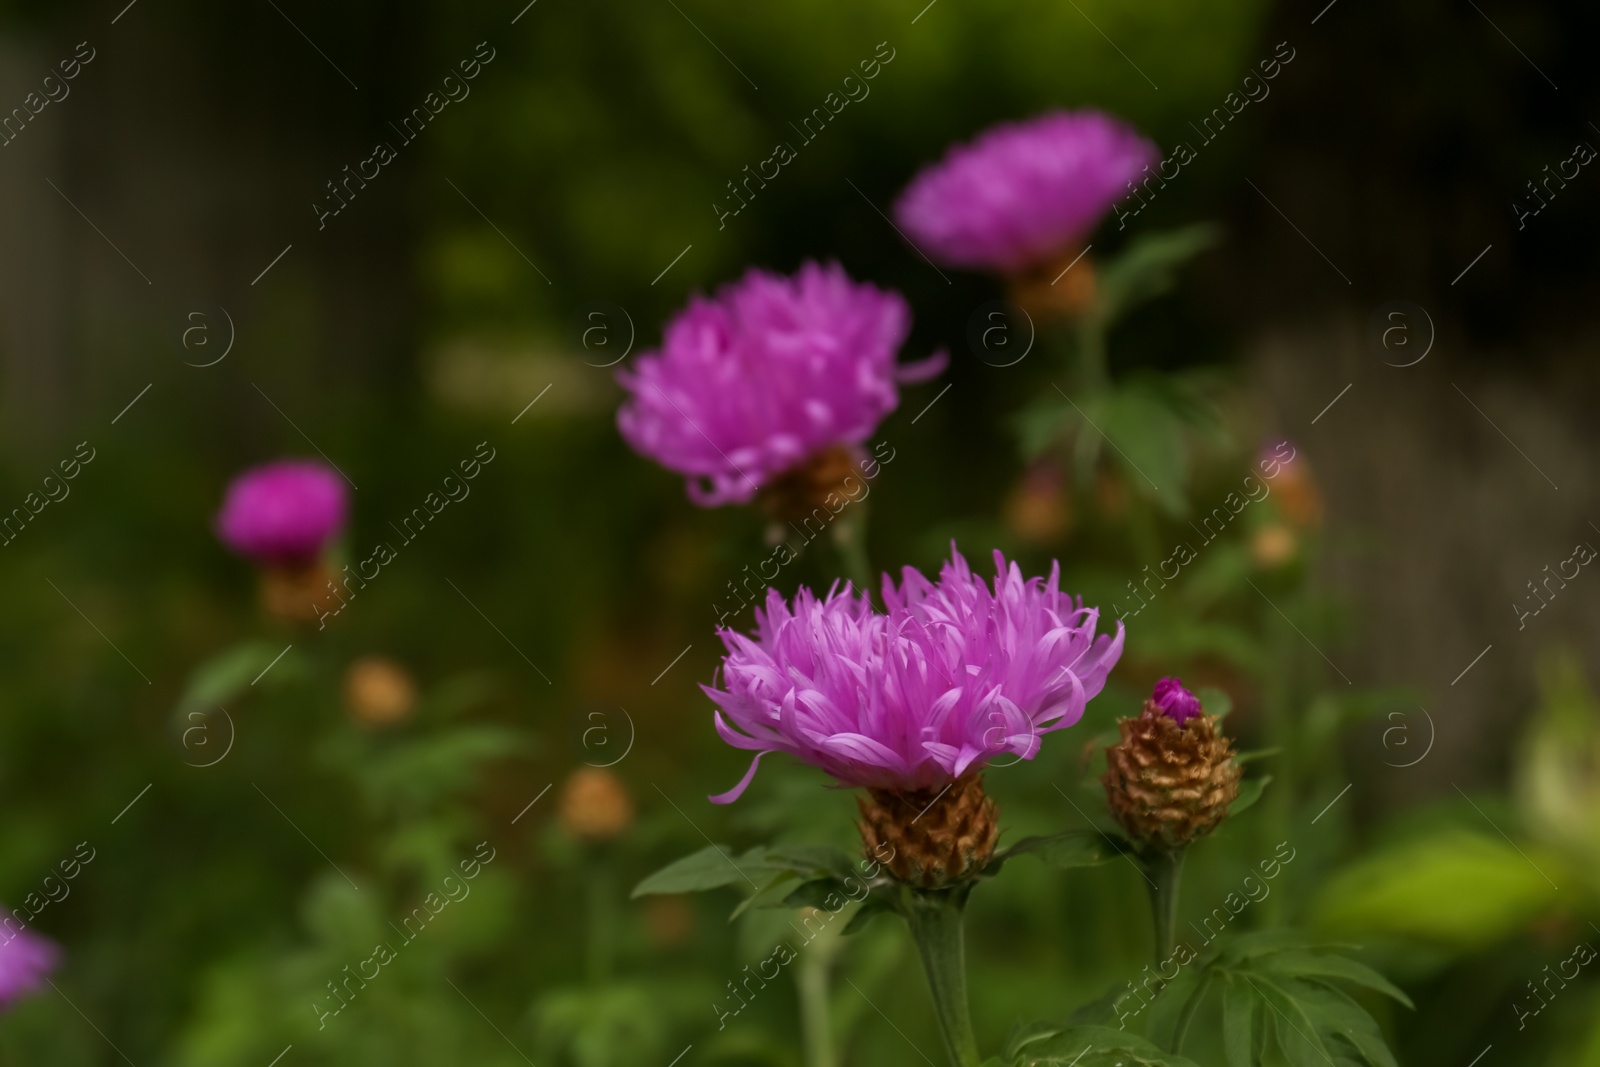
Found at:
<point>1176,702</point>
<point>764,376</point>
<point>25,961</point>
<point>283,512</point>
<point>952,675</point>
<point>1021,192</point>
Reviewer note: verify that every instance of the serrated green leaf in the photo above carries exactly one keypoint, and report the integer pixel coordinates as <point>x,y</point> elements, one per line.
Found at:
<point>1238,1022</point>
<point>1300,964</point>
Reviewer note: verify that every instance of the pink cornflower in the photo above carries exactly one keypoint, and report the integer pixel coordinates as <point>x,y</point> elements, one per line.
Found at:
<point>1021,193</point>
<point>765,377</point>
<point>25,960</point>
<point>283,512</point>
<point>951,676</point>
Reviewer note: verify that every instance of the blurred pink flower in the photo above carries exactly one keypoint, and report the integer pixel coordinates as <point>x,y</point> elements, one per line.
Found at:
<point>1021,192</point>
<point>25,961</point>
<point>954,674</point>
<point>762,378</point>
<point>283,512</point>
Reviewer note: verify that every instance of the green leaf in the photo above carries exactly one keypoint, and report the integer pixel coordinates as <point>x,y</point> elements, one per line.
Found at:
<point>803,859</point>
<point>1298,1033</point>
<point>1040,426</point>
<point>1087,1046</point>
<point>1149,439</point>
<point>1238,1022</point>
<point>710,868</point>
<point>715,866</point>
<point>224,676</point>
<point>875,905</point>
<point>1241,950</point>
<point>1339,1015</point>
<point>1214,701</point>
<point>1148,267</point>
<point>770,895</point>
<point>1074,848</point>
<point>1249,792</point>
<point>1298,964</point>
<point>817,894</point>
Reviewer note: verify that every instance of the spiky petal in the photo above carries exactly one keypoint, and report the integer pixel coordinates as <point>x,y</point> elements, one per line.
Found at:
<point>951,676</point>
<point>1022,192</point>
<point>768,374</point>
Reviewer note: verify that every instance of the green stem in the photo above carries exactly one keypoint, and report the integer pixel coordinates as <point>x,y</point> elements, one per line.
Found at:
<point>1165,870</point>
<point>816,1024</point>
<point>850,540</point>
<point>934,916</point>
<point>602,919</point>
<point>1093,372</point>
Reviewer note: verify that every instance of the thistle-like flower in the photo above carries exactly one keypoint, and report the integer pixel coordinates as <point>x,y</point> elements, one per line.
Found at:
<point>1023,194</point>
<point>912,703</point>
<point>1171,777</point>
<point>283,513</point>
<point>25,961</point>
<point>774,375</point>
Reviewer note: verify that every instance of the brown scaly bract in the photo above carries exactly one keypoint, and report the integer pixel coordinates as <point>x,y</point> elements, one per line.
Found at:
<point>797,494</point>
<point>1167,783</point>
<point>934,840</point>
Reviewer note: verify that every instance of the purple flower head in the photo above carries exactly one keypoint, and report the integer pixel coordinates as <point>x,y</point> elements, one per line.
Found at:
<point>1022,192</point>
<point>25,960</point>
<point>1174,701</point>
<point>951,676</point>
<point>283,512</point>
<point>764,376</point>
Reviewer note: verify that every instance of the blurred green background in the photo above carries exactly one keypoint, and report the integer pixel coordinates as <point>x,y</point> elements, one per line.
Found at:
<point>578,178</point>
